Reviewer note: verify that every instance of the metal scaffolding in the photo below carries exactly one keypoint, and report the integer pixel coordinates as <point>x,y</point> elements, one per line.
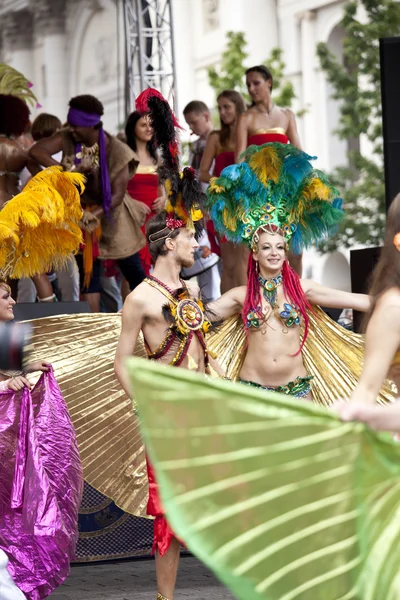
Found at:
<point>150,60</point>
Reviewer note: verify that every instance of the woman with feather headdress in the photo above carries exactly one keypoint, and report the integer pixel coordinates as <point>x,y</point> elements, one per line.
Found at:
<point>274,202</point>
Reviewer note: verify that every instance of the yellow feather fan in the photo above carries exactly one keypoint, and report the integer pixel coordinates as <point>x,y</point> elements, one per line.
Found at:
<point>39,227</point>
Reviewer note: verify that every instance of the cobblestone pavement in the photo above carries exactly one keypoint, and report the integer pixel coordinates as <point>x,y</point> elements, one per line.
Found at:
<point>135,580</point>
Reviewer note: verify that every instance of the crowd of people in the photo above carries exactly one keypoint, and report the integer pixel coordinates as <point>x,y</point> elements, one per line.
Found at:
<point>122,189</point>
<point>182,252</point>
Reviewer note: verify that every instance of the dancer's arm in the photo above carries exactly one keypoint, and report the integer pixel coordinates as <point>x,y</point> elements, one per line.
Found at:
<point>159,203</point>
<point>42,151</point>
<point>292,132</point>
<point>227,305</point>
<point>331,298</point>
<point>382,340</point>
<point>132,318</point>
<point>210,152</point>
<point>383,418</point>
<point>242,133</point>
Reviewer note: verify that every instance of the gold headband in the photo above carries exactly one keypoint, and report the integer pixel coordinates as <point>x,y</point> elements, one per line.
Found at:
<point>164,237</point>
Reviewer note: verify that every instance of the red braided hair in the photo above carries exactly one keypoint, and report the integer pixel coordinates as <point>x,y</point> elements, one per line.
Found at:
<point>291,288</point>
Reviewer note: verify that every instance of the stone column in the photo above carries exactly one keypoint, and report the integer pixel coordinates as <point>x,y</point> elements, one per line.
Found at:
<point>309,88</point>
<point>50,34</point>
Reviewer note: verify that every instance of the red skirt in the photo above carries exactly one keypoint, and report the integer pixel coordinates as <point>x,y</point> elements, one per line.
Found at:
<point>222,160</point>
<point>144,187</point>
<point>162,533</point>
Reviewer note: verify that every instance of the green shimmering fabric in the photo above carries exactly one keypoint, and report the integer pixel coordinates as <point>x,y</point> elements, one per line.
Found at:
<point>277,496</point>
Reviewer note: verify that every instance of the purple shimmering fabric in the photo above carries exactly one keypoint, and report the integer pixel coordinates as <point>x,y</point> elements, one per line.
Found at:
<point>41,484</point>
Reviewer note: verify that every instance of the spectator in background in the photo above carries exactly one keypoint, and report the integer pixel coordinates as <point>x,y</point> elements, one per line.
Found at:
<point>14,123</point>
<point>65,281</point>
<point>205,268</point>
<point>220,151</point>
<point>111,221</point>
<point>265,122</point>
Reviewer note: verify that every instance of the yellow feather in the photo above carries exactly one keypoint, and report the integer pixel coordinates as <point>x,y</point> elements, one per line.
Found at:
<point>317,189</point>
<point>214,187</point>
<point>266,164</point>
<point>39,227</point>
<point>230,220</point>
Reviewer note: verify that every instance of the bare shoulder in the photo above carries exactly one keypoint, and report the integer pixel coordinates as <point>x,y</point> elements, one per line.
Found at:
<point>240,293</point>
<point>236,294</point>
<point>247,115</point>
<point>194,289</point>
<point>138,297</point>
<point>307,285</point>
<point>288,112</point>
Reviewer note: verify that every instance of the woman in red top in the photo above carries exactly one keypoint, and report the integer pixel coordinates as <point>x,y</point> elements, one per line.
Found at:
<point>220,150</point>
<point>144,185</point>
<point>265,122</point>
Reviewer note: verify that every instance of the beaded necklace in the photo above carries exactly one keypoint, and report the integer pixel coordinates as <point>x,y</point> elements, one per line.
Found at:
<point>270,288</point>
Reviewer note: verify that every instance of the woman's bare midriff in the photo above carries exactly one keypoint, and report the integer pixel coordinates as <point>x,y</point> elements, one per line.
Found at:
<point>271,357</point>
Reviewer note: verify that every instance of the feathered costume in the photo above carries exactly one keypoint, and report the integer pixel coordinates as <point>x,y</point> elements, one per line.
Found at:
<point>41,475</point>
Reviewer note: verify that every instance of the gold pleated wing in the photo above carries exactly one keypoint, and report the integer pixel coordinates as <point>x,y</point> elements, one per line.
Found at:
<point>278,497</point>
<point>81,349</point>
<point>332,355</point>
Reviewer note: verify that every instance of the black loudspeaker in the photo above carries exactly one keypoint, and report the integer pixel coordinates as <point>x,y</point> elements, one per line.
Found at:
<point>390,91</point>
<point>36,310</point>
<point>362,263</point>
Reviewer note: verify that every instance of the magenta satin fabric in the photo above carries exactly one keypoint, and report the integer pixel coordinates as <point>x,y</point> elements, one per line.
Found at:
<point>41,483</point>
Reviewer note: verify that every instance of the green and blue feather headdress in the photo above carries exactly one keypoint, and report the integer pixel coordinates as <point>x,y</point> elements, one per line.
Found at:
<point>274,189</point>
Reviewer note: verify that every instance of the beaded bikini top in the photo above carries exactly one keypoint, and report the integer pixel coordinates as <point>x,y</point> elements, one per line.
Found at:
<point>289,316</point>
<point>187,320</point>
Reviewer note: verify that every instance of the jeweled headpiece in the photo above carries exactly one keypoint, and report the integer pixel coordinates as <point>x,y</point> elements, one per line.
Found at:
<point>184,195</point>
<point>275,190</point>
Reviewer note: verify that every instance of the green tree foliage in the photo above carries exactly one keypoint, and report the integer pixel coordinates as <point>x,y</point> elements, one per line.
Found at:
<point>283,92</point>
<point>230,75</point>
<point>356,85</point>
